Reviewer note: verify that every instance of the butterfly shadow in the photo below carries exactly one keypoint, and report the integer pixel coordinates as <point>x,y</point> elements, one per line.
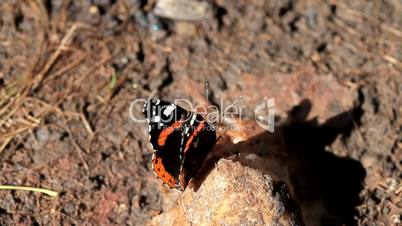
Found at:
<point>325,186</point>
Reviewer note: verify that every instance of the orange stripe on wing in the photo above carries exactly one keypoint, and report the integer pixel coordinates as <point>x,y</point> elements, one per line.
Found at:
<point>167,131</point>
<point>161,172</point>
<point>193,135</point>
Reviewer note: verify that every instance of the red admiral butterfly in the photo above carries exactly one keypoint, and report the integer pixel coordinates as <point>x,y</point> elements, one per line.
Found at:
<point>181,140</point>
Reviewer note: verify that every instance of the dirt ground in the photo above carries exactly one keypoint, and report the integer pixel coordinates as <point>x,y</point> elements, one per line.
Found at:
<point>70,69</point>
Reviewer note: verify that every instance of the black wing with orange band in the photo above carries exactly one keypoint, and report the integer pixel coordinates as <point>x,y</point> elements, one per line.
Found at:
<point>181,140</point>
<point>165,121</point>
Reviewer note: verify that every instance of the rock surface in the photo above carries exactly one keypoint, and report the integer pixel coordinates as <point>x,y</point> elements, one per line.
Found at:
<point>233,194</point>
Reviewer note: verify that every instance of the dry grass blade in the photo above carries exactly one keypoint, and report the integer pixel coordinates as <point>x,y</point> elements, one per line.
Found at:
<point>393,61</point>
<point>26,188</point>
<point>15,132</point>
<point>64,42</point>
<point>392,30</point>
<point>86,124</point>
<point>13,102</point>
<point>4,144</point>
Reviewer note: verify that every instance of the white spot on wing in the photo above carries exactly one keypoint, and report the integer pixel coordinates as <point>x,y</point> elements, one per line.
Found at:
<point>150,143</point>
<point>145,106</point>
<point>193,119</point>
<point>169,109</point>
<point>153,168</point>
<point>156,118</point>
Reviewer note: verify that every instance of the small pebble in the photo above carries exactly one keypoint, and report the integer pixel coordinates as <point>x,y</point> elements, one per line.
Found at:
<point>190,10</point>
<point>124,60</point>
<point>379,193</point>
<point>93,10</point>
<point>311,18</point>
<point>42,134</point>
<point>68,208</point>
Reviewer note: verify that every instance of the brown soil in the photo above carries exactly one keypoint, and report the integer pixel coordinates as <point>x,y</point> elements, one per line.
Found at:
<point>70,69</point>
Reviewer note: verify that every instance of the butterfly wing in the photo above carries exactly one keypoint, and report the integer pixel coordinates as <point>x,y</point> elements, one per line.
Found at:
<point>165,121</point>
<point>200,138</point>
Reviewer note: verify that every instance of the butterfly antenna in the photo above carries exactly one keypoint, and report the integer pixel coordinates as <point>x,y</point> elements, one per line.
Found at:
<point>207,94</point>
<point>207,99</point>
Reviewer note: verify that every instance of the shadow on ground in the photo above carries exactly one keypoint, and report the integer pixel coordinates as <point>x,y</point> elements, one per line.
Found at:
<point>326,186</point>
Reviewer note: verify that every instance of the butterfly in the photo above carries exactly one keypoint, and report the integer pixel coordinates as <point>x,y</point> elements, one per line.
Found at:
<point>181,141</point>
